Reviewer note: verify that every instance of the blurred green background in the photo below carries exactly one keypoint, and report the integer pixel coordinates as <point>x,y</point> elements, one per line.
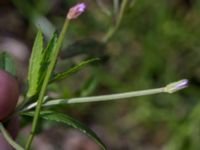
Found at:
<point>157,42</point>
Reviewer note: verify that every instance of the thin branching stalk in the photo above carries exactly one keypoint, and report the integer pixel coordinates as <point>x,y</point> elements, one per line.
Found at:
<point>113,28</point>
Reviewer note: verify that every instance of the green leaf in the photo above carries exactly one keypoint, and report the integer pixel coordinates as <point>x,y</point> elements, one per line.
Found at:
<point>62,118</point>
<point>64,74</point>
<point>35,64</point>
<point>6,63</point>
<point>48,54</point>
<point>39,61</point>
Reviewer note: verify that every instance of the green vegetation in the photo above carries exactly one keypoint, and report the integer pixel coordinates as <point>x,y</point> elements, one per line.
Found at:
<point>111,48</point>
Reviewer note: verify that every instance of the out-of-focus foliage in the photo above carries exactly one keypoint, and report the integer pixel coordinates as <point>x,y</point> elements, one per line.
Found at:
<point>6,63</point>
<point>157,42</point>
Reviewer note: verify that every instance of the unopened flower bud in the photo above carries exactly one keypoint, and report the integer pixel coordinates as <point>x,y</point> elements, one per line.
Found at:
<point>76,10</point>
<point>175,86</point>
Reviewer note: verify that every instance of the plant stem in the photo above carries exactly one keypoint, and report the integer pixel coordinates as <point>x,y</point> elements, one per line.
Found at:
<point>99,98</point>
<point>9,138</point>
<point>115,96</point>
<point>112,29</point>
<point>45,83</point>
<point>169,88</point>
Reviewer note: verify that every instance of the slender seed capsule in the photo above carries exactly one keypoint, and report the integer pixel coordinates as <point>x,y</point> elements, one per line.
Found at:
<point>9,93</point>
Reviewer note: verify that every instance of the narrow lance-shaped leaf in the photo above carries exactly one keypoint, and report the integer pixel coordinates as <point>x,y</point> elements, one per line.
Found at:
<point>34,65</point>
<point>47,57</point>
<point>62,118</point>
<point>6,63</point>
<point>74,69</point>
<point>42,58</point>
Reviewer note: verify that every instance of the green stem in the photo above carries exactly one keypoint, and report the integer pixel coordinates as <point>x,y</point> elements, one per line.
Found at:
<point>115,96</point>
<point>45,83</point>
<point>113,29</point>
<point>9,138</point>
<point>98,98</point>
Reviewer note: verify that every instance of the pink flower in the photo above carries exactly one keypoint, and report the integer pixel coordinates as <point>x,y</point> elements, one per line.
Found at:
<point>76,10</point>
